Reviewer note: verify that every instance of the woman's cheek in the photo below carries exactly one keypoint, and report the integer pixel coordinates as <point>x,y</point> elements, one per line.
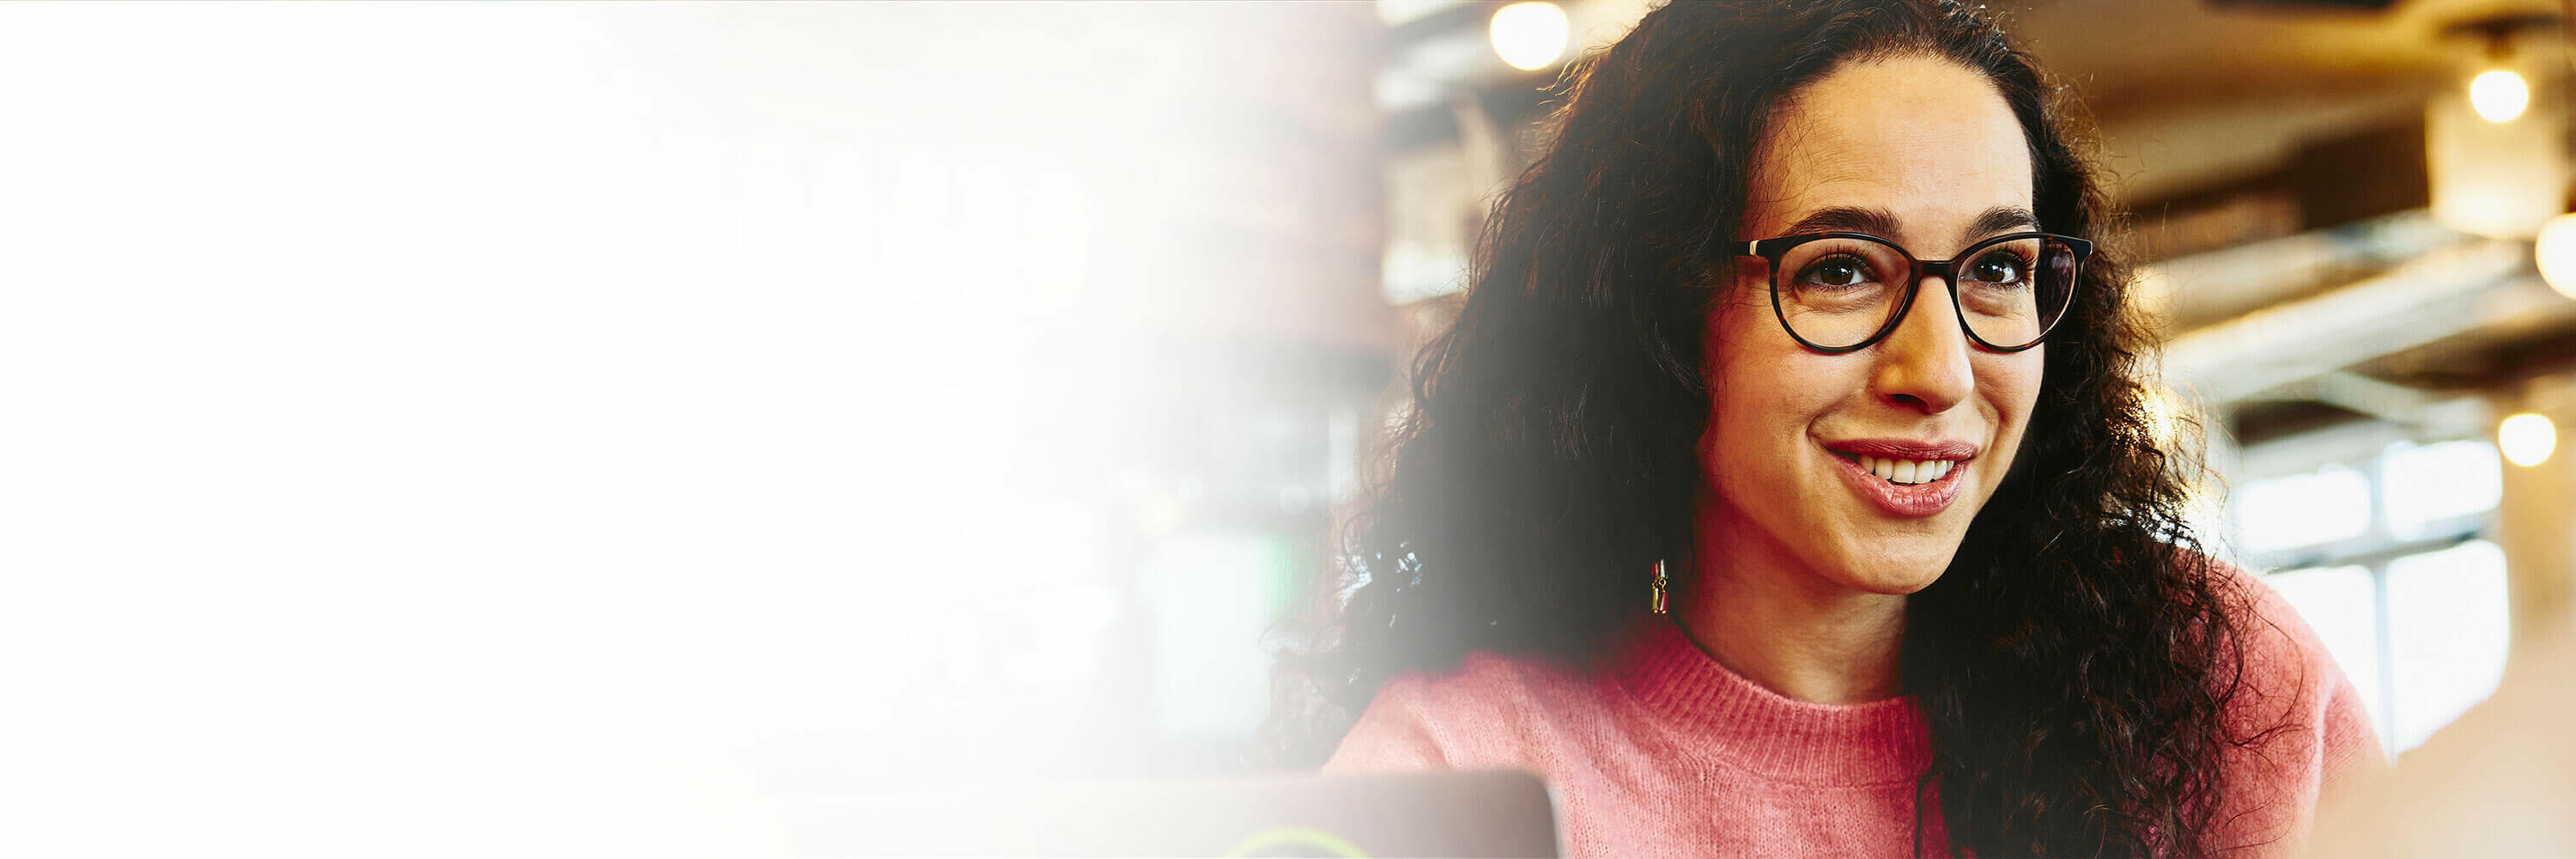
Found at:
<point>2012,392</point>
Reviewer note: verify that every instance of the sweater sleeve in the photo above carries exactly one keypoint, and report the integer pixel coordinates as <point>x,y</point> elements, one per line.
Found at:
<point>2351,745</point>
<point>2316,737</point>
<point>2347,745</point>
<point>1394,734</point>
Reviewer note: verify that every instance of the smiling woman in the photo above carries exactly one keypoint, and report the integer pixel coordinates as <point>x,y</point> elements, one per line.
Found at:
<point>1784,488</point>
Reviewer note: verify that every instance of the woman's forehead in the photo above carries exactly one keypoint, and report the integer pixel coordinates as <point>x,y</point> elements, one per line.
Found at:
<point>1927,140</point>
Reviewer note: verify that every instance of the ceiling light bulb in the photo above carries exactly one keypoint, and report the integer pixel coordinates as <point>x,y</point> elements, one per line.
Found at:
<point>2555,253</point>
<point>2499,95</point>
<point>1529,35</point>
<point>2527,439</point>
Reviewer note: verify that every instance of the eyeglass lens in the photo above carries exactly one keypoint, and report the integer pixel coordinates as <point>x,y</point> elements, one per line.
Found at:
<point>1837,292</point>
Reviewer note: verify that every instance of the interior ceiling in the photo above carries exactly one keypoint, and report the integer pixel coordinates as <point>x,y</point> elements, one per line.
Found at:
<point>2134,54</point>
<point>2188,93</point>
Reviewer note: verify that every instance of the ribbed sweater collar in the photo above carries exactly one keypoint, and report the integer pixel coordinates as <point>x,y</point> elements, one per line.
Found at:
<point>1732,721</point>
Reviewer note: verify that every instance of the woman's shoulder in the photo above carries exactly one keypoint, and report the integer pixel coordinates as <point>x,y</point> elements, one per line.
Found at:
<point>1488,710</point>
<point>2300,723</point>
<point>2283,656</point>
<point>2274,668</point>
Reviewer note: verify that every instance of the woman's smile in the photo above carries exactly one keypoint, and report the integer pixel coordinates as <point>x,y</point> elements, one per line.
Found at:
<point>1903,477</point>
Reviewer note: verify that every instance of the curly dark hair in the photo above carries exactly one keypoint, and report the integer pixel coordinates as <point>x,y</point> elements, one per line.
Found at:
<point>2077,658</point>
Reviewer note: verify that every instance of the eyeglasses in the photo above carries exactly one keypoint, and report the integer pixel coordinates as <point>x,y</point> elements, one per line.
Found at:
<point>1841,292</point>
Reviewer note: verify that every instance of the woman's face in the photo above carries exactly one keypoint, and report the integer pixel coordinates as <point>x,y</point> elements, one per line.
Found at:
<point>1924,152</point>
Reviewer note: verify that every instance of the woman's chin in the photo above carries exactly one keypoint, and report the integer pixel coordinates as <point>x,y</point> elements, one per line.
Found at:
<point>1896,582</point>
<point>1895,573</point>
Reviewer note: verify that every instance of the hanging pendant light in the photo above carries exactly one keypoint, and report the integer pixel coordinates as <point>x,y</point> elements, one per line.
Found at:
<point>2495,146</point>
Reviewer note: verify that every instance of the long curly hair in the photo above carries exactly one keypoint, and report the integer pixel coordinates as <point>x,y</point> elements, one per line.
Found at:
<point>2077,658</point>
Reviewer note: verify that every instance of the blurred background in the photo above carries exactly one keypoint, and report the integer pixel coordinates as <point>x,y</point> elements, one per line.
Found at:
<point>568,414</point>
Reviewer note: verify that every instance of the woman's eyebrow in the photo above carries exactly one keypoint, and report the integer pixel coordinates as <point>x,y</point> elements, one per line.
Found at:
<point>2002,219</point>
<point>1878,222</point>
<point>1847,219</point>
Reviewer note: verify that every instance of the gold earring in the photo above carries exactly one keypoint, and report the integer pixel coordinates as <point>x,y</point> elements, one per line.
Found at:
<point>1659,585</point>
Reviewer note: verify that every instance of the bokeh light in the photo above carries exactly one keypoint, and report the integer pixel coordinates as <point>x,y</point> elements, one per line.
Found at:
<point>1529,35</point>
<point>2555,253</point>
<point>2527,439</point>
<point>2499,95</point>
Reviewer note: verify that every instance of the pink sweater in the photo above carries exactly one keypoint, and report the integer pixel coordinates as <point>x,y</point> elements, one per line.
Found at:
<point>1668,753</point>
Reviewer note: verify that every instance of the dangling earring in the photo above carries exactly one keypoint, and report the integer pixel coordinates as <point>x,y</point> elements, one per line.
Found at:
<point>1659,586</point>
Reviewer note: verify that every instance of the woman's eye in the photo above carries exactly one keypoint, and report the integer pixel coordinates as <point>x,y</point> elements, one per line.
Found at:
<point>1997,269</point>
<point>1836,273</point>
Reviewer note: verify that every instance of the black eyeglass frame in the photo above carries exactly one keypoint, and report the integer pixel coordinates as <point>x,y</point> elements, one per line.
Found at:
<point>1771,250</point>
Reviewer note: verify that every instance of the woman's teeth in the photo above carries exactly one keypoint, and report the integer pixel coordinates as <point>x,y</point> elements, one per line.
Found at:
<point>1906,471</point>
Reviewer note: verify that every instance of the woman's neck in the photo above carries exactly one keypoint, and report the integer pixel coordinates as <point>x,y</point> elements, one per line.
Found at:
<point>1767,618</point>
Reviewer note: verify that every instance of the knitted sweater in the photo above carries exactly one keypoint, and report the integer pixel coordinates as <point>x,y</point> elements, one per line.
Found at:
<point>1665,752</point>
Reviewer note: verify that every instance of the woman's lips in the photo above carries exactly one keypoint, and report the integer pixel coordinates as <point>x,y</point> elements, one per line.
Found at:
<point>1909,501</point>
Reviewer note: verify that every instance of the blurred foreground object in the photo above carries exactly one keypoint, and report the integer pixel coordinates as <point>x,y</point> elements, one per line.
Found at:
<point>1425,814</point>
<point>2501,781</point>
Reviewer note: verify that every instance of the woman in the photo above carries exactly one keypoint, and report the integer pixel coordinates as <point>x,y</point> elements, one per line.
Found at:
<point>1757,536</point>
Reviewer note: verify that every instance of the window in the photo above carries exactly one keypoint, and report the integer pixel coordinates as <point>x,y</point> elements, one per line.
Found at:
<point>2447,628</point>
<point>2387,562</point>
<point>2424,485</point>
<point>2331,503</point>
<point>2342,604</point>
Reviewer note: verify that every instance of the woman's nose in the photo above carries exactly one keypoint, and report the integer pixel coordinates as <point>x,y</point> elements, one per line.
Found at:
<point>1923,364</point>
